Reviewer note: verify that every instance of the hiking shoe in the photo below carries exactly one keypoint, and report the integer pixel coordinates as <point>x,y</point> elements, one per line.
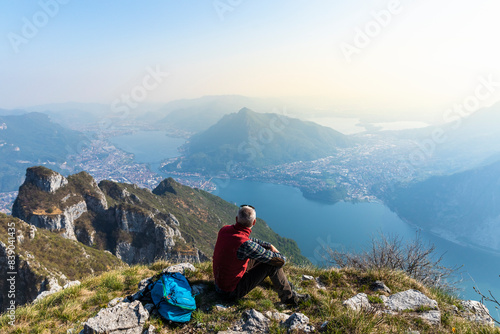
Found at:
<point>297,298</point>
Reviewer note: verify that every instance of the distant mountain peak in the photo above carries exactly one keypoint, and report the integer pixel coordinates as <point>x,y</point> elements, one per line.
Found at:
<point>167,186</point>
<point>255,140</point>
<point>246,111</point>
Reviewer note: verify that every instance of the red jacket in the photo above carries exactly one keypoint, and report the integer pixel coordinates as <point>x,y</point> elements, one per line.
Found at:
<point>228,270</point>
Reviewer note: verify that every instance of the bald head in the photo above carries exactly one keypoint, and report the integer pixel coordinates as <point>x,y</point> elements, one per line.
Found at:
<point>246,216</point>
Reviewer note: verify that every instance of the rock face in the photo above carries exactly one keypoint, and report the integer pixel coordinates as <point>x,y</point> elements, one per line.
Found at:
<point>64,221</point>
<point>124,318</point>
<point>45,179</point>
<point>44,201</point>
<point>78,208</point>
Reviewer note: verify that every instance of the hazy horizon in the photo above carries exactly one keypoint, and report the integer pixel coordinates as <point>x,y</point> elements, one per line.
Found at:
<point>398,58</point>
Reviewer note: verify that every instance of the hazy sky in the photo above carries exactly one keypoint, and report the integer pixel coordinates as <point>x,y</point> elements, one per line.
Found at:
<point>375,55</point>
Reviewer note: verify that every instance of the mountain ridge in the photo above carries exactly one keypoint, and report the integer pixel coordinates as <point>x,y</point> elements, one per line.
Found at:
<point>253,140</point>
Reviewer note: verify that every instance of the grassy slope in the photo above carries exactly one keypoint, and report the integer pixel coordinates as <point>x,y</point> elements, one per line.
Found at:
<point>73,306</point>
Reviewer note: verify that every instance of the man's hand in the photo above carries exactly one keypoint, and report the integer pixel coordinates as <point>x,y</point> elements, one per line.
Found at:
<point>274,249</point>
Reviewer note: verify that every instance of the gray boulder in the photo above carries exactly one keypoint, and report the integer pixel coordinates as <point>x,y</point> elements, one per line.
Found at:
<point>199,289</point>
<point>477,312</point>
<point>180,268</point>
<point>255,322</point>
<point>409,300</point>
<point>358,303</point>
<point>277,315</point>
<point>433,316</point>
<point>124,318</point>
<point>298,322</point>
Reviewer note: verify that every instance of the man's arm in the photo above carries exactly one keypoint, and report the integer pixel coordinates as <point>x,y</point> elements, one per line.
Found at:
<point>253,250</point>
<point>265,244</point>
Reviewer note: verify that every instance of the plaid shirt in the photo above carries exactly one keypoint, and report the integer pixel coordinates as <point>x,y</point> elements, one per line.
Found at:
<point>259,250</point>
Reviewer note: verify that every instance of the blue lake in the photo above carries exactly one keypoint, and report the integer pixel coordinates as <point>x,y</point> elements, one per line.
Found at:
<point>151,147</point>
<point>350,226</point>
<point>314,225</point>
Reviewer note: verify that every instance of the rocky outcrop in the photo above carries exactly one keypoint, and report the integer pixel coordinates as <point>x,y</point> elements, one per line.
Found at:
<point>255,322</point>
<point>359,302</point>
<point>477,312</point>
<point>409,300</point>
<point>45,179</point>
<point>51,286</point>
<point>124,318</point>
<point>298,322</point>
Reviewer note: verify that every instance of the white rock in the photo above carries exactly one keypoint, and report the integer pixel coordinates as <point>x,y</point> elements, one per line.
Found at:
<point>180,268</point>
<point>219,307</point>
<point>358,302</point>
<point>409,300</point>
<point>71,283</point>
<point>149,307</point>
<point>123,318</point>
<point>434,316</point>
<point>476,311</point>
<point>276,315</point>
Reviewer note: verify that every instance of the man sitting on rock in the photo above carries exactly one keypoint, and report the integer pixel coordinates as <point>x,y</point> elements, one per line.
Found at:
<point>240,263</point>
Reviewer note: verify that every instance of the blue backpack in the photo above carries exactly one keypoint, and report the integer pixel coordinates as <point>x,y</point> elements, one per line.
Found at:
<point>173,297</point>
